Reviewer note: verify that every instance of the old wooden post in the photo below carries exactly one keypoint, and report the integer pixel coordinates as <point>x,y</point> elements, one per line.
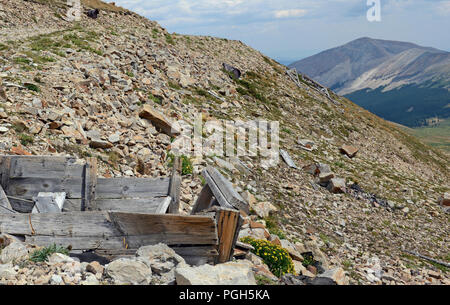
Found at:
<point>89,185</point>
<point>5,206</point>
<point>228,226</point>
<point>174,187</point>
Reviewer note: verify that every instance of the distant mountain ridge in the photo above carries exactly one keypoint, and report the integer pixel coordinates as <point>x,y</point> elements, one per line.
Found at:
<point>368,70</point>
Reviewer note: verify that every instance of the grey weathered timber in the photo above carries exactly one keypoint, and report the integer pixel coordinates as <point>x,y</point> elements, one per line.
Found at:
<point>5,206</point>
<point>131,205</point>
<point>292,73</point>
<point>49,202</point>
<point>287,158</point>
<point>204,200</point>
<point>223,190</point>
<point>117,242</point>
<point>45,166</point>
<point>109,224</point>
<point>174,187</point>
<point>24,177</point>
<point>5,168</point>
<point>89,185</point>
<point>113,188</point>
<point>27,188</point>
<point>163,206</point>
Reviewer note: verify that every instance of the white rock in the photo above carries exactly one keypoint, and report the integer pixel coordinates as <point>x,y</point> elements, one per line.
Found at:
<point>57,258</point>
<point>56,279</point>
<point>129,271</point>
<point>231,273</point>
<point>7,272</point>
<point>90,280</point>
<point>337,275</point>
<point>14,252</point>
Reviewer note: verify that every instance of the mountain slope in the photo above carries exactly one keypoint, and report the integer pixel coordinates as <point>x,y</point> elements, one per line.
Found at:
<point>88,80</point>
<point>379,74</point>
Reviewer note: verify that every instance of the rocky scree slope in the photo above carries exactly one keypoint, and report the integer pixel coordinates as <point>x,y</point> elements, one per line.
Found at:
<point>78,89</point>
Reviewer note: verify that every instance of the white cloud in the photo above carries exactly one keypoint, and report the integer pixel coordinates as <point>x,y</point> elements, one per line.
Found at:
<point>290,13</point>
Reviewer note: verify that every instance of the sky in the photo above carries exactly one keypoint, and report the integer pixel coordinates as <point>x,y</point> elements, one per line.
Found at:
<point>289,30</point>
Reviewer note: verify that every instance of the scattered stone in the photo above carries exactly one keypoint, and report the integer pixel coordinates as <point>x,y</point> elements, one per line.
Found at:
<point>162,260</point>
<point>350,151</point>
<point>263,209</point>
<point>337,275</point>
<point>445,200</point>
<point>129,271</point>
<point>336,185</point>
<point>100,144</point>
<point>56,280</point>
<point>231,273</point>
<point>16,251</point>
<point>95,268</point>
<point>59,258</point>
<point>7,271</point>
<point>291,249</point>
<point>90,280</point>
<point>159,120</point>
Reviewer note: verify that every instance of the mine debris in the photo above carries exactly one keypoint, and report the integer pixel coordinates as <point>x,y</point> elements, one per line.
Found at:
<point>234,71</point>
<point>93,13</point>
<point>113,217</point>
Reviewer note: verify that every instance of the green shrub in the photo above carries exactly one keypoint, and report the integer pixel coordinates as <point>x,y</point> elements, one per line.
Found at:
<point>26,139</point>
<point>276,258</point>
<point>32,87</point>
<point>169,39</point>
<point>43,254</point>
<point>186,164</point>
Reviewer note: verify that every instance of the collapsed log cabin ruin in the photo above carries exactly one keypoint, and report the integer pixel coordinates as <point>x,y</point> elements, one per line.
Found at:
<point>113,217</point>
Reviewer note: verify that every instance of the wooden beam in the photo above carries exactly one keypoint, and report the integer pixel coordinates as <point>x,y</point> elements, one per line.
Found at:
<point>287,158</point>
<point>90,184</point>
<point>227,225</point>
<point>49,202</point>
<point>204,200</point>
<point>164,206</point>
<point>5,206</point>
<point>5,171</point>
<point>105,224</point>
<point>174,187</point>
<point>223,190</point>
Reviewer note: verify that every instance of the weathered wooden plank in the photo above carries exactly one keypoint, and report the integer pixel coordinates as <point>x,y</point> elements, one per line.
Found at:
<point>118,242</point>
<point>131,205</point>
<point>227,222</point>
<point>59,224</point>
<point>174,188</point>
<point>89,185</point>
<point>5,206</point>
<point>49,202</point>
<point>109,224</point>
<point>5,170</point>
<point>204,200</point>
<point>132,188</point>
<point>142,224</point>
<point>45,166</point>
<point>287,158</point>
<point>163,206</point>
<point>27,188</point>
<point>223,190</point>
<point>112,188</point>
